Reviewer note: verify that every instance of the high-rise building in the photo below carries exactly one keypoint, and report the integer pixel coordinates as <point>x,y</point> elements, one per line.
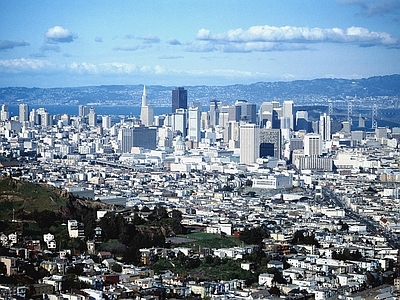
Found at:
<point>23,112</point>
<point>179,99</point>
<point>92,116</point>
<point>325,127</point>
<point>248,112</point>
<point>270,143</point>
<point>302,120</point>
<point>287,113</point>
<point>146,112</point>
<point>214,112</point>
<point>312,144</point>
<point>83,111</point>
<point>194,124</point>
<point>4,114</point>
<point>179,122</point>
<point>106,122</point>
<point>249,143</point>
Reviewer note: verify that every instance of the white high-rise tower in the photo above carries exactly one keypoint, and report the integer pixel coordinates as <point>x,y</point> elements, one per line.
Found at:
<point>249,143</point>
<point>325,127</point>
<point>146,112</point>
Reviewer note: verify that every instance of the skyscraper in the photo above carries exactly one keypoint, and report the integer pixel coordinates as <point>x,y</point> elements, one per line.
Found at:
<point>179,122</point>
<point>249,143</point>
<point>179,98</point>
<point>146,112</point>
<point>325,127</point>
<point>302,120</point>
<point>23,112</point>
<point>92,117</point>
<point>4,114</point>
<point>287,113</point>
<point>270,143</point>
<point>194,124</point>
<point>214,112</point>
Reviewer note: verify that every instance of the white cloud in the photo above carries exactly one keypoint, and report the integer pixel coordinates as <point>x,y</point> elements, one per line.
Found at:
<point>272,38</point>
<point>59,34</point>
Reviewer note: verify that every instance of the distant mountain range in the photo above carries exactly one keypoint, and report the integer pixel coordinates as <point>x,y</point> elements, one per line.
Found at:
<point>381,90</point>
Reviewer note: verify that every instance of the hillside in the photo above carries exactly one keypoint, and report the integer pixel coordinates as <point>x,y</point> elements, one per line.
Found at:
<point>303,92</point>
<point>26,198</point>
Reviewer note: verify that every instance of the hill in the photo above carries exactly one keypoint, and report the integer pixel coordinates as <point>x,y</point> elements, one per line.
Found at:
<point>303,92</point>
<point>25,198</point>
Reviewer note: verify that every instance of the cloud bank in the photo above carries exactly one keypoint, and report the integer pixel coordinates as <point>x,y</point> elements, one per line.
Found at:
<point>272,38</point>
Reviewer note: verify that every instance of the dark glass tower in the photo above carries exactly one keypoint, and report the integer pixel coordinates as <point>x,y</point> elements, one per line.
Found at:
<point>179,98</point>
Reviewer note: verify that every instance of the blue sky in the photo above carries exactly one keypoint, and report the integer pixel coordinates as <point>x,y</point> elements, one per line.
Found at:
<point>79,43</point>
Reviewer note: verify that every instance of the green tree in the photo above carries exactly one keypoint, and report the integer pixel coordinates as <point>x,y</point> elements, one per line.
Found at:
<point>253,236</point>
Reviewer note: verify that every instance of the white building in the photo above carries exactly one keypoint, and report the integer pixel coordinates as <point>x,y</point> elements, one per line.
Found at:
<point>249,143</point>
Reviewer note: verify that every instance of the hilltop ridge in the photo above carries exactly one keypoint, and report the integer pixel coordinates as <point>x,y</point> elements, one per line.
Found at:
<point>301,91</point>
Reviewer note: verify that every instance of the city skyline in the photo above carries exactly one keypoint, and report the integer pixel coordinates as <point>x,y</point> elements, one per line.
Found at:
<point>57,44</point>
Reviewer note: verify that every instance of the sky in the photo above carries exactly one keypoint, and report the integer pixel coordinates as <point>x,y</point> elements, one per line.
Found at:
<point>67,43</point>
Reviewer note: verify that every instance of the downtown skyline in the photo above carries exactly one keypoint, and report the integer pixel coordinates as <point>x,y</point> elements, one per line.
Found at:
<point>65,44</point>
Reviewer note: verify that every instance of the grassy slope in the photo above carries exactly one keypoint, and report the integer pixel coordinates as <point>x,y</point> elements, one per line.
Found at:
<point>26,196</point>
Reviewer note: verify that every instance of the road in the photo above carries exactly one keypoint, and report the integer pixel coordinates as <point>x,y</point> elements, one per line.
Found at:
<point>371,225</point>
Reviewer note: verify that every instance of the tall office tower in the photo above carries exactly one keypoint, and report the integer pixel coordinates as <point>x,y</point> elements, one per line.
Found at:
<point>43,117</point>
<point>92,116</point>
<point>179,99</point>
<point>248,112</point>
<point>275,118</point>
<point>106,122</point>
<point>204,120</point>
<point>83,111</point>
<point>194,124</point>
<point>4,114</point>
<point>214,112</point>
<point>287,113</point>
<point>249,143</point>
<point>138,136</point>
<point>34,117</point>
<point>164,137</point>
<point>325,127</point>
<point>264,113</point>
<point>146,112</point>
<point>270,143</point>
<point>234,113</point>
<point>23,112</point>
<point>179,122</point>
<point>232,134</point>
<point>302,120</point>
<point>312,144</point>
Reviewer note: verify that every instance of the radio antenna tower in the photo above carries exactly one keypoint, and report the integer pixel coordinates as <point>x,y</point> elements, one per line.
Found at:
<point>349,112</point>
<point>374,116</point>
